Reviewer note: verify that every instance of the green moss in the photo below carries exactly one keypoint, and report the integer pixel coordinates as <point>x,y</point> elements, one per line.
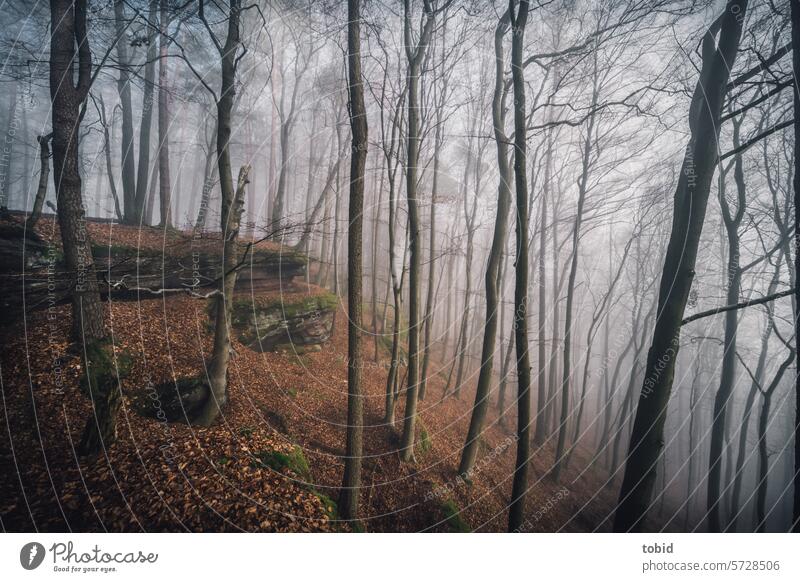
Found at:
<point>246,431</point>
<point>118,251</point>
<point>245,308</point>
<point>295,461</point>
<point>331,508</point>
<point>453,516</point>
<point>103,368</point>
<point>424,442</point>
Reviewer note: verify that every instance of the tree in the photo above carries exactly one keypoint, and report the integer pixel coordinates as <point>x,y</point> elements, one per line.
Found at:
<point>163,120</point>
<point>795,16</point>
<point>415,53</point>
<point>519,18</point>
<point>481,405</point>
<point>351,482</point>
<point>719,48</point>
<point>69,47</point>
<point>124,89</point>
<point>232,207</point>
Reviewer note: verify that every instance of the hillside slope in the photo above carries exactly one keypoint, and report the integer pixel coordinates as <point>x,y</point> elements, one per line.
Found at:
<point>273,463</point>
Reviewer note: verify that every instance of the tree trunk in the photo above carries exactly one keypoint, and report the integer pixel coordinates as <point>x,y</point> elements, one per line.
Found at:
<point>68,33</point>
<point>493,310</point>
<point>733,281</point>
<point>8,148</point>
<point>165,195</point>
<point>573,272</point>
<point>795,14</point>
<point>231,210</point>
<point>44,174</point>
<point>520,488</point>
<point>124,89</point>
<point>415,56</point>
<point>143,171</point>
<point>351,482</point>
<point>720,46</point>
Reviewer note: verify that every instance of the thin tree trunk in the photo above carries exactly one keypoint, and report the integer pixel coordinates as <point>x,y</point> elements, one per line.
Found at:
<point>124,89</point>
<point>232,206</point>
<point>351,481</point>
<point>520,486</point>
<point>143,171</point>
<point>163,123</point>
<point>731,221</point>
<point>493,310</point>
<point>44,174</point>
<point>415,56</point>
<point>69,44</point>
<point>795,16</point>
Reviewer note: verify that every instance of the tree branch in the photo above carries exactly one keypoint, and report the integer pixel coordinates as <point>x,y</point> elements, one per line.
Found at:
<point>742,305</point>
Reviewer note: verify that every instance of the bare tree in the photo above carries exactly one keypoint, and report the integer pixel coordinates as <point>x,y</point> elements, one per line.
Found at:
<point>351,482</point>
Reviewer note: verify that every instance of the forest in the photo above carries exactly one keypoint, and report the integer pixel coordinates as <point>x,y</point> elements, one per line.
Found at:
<point>399,266</point>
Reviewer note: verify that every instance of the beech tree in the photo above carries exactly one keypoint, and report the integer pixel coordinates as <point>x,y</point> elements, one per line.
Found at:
<point>719,49</point>
<point>351,482</point>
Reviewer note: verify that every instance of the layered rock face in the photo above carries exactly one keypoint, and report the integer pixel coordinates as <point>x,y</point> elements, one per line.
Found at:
<point>32,271</point>
<point>285,325</point>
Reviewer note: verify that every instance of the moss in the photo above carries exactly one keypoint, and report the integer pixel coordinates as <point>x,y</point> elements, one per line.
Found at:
<point>245,309</point>
<point>103,368</point>
<point>118,251</point>
<point>295,461</point>
<point>424,442</point>
<point>331,508</point>
<point>452,514</point>
<point>246,431</point>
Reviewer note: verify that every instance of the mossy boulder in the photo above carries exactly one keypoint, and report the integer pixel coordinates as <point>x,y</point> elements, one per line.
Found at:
<point>279,325</point>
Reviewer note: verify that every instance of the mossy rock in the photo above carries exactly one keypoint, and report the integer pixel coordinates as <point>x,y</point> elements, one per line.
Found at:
<point>294,460</point>
<point>423,441</point>
<point>277,325</point>
<point>452,515</point>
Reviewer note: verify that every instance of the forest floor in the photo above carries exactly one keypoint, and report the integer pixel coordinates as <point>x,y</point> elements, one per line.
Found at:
<point>274,461</point>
